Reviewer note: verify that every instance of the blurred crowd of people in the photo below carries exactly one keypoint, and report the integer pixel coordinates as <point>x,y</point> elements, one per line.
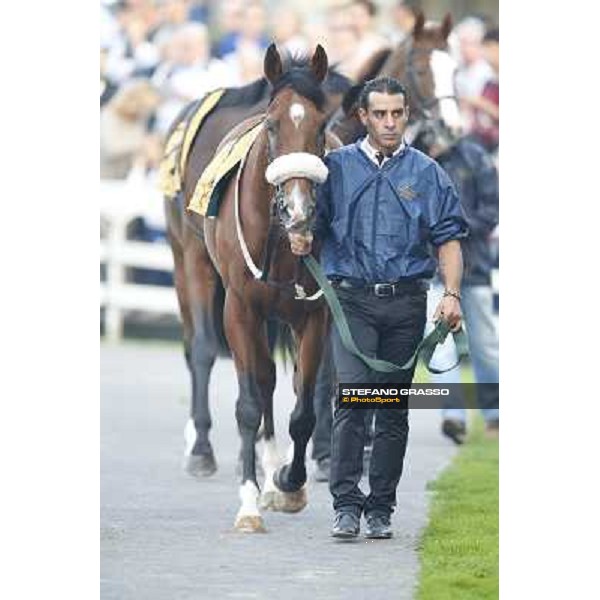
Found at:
<point>157,55</point>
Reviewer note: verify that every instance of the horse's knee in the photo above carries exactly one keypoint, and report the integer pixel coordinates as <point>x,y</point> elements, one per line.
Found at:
<point>267,379</point>
<point>202,349</point>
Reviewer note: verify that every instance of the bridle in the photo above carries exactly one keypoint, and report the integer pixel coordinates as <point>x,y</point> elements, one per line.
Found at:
<point>423,105</point>
<point>278,220</point>
<point>421,116</point>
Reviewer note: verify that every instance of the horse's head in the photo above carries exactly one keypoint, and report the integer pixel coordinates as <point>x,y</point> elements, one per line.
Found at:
<point>295,124</point>
<point>429,74</point>
<point>424,65</point>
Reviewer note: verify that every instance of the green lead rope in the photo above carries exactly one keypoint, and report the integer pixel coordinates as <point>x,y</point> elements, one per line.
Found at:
<point>426,347</point>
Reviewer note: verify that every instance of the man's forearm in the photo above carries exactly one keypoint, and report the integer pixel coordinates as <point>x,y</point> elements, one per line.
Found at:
<point>451,265</point>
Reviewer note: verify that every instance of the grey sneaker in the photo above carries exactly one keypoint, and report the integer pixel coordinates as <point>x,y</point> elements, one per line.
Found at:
<point>345,526</point>
<point>379,527</point>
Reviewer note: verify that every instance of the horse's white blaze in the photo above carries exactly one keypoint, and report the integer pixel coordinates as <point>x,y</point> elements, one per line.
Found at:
<point>443,67</point>
<point>270,463</point>
<point>297,202</point>
<point>249,497</point>
<point>297,113</point>
<point>189,435</point>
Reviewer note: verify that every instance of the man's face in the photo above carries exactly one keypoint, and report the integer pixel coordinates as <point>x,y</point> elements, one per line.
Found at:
<point>385,119</point>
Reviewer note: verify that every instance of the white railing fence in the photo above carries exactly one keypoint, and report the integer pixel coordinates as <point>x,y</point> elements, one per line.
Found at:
<point>120,203</point>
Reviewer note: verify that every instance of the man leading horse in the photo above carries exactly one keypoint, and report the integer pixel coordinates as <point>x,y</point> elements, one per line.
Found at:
<point>382,206</point>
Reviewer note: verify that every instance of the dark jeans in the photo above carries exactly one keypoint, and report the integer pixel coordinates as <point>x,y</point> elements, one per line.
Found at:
<point>388,328</point>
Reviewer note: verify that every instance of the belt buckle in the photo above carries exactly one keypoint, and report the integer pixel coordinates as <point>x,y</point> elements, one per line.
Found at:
<point>380,290</point>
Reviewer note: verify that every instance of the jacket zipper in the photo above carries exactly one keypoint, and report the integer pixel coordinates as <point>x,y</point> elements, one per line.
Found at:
<point>375,212</point>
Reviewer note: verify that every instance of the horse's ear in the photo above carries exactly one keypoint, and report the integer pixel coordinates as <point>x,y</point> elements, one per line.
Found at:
<point>319,63</point>
<point>419,24</point>
<point>446,26</point>
<point>273,66</point>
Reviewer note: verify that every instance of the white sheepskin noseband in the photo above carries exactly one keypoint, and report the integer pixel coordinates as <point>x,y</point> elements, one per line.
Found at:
<point>296,164</point>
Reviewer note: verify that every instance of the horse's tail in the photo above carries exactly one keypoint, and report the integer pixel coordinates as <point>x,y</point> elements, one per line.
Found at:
<point>281,341</point>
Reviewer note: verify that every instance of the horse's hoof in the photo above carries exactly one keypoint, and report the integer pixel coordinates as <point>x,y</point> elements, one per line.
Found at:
<point>203,465</point>
<point>250,524</point>
<point>290,502</point>
<point>283,480</point>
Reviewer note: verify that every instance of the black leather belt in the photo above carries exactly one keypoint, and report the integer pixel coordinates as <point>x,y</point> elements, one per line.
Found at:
<point>384,290</point>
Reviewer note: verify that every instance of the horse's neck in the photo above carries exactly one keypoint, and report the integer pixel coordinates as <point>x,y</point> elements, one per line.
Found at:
<point>396,64</point>
<point>259,199</point>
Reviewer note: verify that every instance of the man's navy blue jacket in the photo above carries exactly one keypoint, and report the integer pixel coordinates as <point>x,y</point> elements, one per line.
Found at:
<point>377,224</point>
<point>473,173</point>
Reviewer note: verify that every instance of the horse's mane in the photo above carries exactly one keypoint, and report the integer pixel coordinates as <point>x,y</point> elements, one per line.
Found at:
<point>245,96</point>
<point>297,75</point>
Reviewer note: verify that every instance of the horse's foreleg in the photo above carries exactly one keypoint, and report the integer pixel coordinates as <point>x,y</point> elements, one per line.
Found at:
<point>270,458</point>
<point>291,478</point>
<point>256,376</point>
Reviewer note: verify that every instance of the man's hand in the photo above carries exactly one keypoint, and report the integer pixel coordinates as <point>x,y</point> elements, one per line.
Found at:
<point>449,310</point>
<point>301,244</point>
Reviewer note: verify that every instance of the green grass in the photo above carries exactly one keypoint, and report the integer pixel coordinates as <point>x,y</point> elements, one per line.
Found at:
<point>459,549</point>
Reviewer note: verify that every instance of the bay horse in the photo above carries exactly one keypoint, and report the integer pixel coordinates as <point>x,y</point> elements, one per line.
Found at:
<point>422,62</point>
<point>287,151</point>
<point>199,290</point>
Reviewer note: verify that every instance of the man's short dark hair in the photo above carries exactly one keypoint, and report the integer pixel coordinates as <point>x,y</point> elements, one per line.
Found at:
<point>492,35</point>
<point>383,85</point>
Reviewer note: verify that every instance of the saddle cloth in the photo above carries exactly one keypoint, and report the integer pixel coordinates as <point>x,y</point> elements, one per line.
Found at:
<point>227,158</point>
<point>179,142</point>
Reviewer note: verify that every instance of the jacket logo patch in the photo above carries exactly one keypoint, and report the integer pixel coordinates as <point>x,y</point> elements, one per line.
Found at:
<point>407,192</point>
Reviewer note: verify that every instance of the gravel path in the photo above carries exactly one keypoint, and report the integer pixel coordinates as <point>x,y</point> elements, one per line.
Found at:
<point>166,536</point>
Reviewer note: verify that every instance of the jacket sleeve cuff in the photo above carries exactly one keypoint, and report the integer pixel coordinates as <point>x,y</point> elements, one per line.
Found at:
<point>449,230</point>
